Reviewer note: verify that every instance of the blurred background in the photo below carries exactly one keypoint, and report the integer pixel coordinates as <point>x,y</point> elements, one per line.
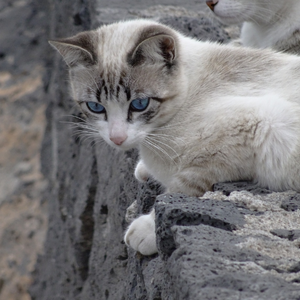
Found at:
<point>23,211</point>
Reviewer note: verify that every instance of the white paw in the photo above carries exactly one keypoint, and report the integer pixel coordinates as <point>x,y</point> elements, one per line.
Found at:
<point>141,234</point>
<point>141,173</point>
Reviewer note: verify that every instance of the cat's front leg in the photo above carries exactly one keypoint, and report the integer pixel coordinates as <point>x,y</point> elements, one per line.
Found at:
<point>193,181</point>
<point>141,236</point>
<point>141,173</point>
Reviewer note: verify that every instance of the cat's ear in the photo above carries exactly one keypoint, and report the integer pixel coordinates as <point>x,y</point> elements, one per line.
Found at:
<point>158,47</point>
<point>76,50</point>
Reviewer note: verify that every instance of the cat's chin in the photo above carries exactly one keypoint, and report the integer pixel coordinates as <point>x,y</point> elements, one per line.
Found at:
<point>123,147</point>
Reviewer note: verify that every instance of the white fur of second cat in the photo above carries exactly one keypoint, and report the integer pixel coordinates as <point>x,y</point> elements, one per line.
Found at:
<point>216,113</point>
<point>267,23</point>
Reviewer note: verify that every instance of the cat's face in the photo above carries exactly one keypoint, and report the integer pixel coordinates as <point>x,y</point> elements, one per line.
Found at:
<point>125,77</point>
<point>238,11</point>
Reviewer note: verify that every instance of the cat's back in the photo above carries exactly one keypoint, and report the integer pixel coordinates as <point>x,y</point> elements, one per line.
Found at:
<point>215,69</point>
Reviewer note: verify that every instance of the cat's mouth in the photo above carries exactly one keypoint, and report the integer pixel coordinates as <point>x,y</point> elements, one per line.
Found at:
<point>121,145</point>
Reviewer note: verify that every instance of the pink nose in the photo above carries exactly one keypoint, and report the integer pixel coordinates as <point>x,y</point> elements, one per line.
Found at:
<point>118,140</point>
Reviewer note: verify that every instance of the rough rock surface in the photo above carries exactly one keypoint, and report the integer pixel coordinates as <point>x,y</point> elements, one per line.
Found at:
<point>230,244</point>
<point>23,216</point>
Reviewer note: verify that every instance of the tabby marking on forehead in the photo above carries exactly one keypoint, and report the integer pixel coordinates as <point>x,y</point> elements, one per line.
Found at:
<point>109,86</point>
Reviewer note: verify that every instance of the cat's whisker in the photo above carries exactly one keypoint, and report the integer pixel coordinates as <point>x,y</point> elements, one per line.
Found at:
<point>151,147</point>
<point>168,136</point>
<point>168,126</point>
<point>85,128</point>
<point>76,117</point>
<point>166,145</point>
<point>159,148</point>
<point>171,140</point>
<point>84,133</point>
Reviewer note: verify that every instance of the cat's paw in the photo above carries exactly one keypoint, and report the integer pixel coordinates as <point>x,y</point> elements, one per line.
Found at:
<point>141,173</point>
<point>141,234</point>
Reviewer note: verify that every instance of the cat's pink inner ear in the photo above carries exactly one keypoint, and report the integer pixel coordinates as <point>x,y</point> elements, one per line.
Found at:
<point>155,48</point>
<point>168,48</point>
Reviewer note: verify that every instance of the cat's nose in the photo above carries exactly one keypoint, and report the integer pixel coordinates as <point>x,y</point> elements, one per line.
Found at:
<point>118,140</point>
<point>212,4</point>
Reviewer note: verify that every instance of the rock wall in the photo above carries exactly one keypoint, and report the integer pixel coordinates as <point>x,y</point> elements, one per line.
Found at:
<point>23,217</point>
<point>231,244</point>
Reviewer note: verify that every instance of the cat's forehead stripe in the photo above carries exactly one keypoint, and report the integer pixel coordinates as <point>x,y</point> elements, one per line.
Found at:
<point>110,86</point>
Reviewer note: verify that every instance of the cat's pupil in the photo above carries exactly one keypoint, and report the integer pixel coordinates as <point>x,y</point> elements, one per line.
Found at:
<point>95,107</point>
<point>139,104</point>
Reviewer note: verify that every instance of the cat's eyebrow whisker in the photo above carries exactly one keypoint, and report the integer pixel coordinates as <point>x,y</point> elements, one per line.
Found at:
<point>77,81</point>
<point>90,76</point>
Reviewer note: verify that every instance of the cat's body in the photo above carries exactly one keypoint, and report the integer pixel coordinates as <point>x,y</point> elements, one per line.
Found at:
<point>198,112</point>
<point>267,23</point>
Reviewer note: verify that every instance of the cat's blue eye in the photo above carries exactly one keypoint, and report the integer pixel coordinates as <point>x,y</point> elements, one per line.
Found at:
<point>95,107</point>
<point>139,104</point>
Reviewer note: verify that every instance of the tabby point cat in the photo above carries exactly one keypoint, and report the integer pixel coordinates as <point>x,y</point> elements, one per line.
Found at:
<point>198,112</point>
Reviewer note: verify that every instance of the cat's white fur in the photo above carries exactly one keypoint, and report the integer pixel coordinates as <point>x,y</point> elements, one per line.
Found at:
<point>228,113</point>
<point>267,23</point>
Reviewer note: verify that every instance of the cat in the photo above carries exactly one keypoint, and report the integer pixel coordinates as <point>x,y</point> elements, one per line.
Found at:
<point>267,23</point>
<point>199,112</point>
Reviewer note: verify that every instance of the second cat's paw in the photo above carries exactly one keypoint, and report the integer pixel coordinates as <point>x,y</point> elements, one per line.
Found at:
<point>141,235</point>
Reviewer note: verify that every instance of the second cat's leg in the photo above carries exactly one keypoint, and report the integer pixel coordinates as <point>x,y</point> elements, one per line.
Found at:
<point>140,235</point>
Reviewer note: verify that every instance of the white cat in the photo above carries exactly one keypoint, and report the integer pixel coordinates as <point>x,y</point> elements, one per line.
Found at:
<point>267,23</point>
<point>198,112</point>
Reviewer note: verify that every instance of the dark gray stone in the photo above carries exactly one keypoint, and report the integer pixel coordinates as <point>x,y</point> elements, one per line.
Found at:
<point>291,203</point>
<point>227,187</point>
<point>182,210</point>
<point>207,264</point>
<point>202,28</point>
<point>287,234</point>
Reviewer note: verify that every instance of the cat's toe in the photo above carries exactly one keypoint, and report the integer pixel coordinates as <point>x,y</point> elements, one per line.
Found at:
<point>141,235</point>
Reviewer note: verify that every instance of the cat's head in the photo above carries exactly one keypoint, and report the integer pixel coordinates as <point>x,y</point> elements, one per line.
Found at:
<point>238,11</point>
<point>125,77</point>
